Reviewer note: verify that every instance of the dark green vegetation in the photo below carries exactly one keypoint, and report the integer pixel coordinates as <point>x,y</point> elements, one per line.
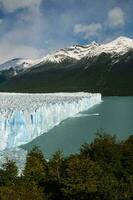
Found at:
<point>103,170</point>
<point>104,74</point>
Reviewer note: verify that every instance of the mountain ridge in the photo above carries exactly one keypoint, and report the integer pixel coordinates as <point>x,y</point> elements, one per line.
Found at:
<point>109,70</point>
<point>120,45</point>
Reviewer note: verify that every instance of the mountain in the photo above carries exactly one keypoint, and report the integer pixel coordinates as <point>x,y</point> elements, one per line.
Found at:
<point>17,64</point>
<point>14,67</point>
<point>118,47</point>
<point>105,68</point>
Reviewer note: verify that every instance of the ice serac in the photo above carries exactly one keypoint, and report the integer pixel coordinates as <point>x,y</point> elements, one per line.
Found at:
<point>24,117</point>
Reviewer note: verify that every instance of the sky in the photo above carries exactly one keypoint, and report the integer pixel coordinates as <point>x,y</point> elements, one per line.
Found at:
<point>33,28</point>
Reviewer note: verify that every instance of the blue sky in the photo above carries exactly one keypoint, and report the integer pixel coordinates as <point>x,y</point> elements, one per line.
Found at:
<point>33,28</point>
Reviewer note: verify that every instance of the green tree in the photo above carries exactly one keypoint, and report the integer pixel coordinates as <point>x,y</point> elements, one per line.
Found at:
<point>56,166</point>
<point>127,160</point>
<point>126,181</point>
<point>8,173</point>
<point>81,178</point>
<point>106,150</point>
<point>54,177</point>
<point>22,191</point>
<point>36,166</point>
<point>103,170</point>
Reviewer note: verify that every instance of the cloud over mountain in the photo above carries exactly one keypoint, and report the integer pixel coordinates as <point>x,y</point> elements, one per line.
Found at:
<point>116,17</point>
<point>88,30</point>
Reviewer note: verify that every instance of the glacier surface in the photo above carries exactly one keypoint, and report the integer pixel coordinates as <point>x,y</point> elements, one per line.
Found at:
<point>24,117</point>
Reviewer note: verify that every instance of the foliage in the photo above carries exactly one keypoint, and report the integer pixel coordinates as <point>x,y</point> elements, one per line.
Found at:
<point>8,173</point>
<point>103,170</point>
<point>23,191</point>
<point>35,168</point>
<point>81,178</point>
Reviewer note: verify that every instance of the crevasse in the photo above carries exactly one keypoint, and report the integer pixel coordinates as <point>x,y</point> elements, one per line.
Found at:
<point>24,117</point>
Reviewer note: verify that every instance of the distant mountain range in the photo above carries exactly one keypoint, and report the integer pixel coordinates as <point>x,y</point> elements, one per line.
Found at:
<point>105,68</point>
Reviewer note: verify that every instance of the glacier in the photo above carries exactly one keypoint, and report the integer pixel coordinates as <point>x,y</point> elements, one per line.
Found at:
<point>23,117</point>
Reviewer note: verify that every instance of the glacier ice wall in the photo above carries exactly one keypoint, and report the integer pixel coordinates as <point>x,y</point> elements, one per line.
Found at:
<point>24,117</point>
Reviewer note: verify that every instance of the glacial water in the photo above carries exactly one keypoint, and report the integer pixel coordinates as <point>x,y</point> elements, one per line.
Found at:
<point>114,115</point>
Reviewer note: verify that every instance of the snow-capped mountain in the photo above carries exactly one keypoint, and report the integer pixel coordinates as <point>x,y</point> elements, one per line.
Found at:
<point>18,64</point>
<point>119,46</point>
<point>105,68</point>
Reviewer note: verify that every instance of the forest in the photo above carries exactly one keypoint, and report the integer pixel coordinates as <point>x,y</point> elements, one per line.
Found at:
<point>102,170</point>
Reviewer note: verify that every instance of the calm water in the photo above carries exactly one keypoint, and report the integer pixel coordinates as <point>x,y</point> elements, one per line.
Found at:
<point>114,115</point>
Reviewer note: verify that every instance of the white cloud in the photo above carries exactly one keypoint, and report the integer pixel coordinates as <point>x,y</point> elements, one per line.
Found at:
<point>116,17</point>
<point>20,42</point>
<point>12,5</point>
<point>88,30</point>
<point>9,51</point>
<point>23,39</point>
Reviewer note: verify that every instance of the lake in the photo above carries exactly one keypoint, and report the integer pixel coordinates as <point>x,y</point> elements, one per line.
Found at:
<point>114,115</point>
